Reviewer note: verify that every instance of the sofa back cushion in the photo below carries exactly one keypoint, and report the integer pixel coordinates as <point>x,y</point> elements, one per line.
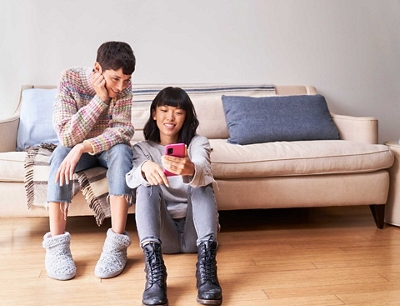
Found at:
<point>206,100</point>
<point>36,112</point>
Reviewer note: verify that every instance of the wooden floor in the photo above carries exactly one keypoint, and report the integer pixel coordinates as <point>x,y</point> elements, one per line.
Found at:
<point>317,256</point>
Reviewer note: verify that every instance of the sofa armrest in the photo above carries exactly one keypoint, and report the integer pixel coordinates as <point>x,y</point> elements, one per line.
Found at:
<point>8,134</point>
<point>361,129</point>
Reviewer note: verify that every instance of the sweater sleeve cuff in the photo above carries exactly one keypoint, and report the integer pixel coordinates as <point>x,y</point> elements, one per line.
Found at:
<point>91,144</point>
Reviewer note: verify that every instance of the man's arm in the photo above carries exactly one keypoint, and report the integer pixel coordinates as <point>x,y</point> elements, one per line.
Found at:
<point>71,121</point>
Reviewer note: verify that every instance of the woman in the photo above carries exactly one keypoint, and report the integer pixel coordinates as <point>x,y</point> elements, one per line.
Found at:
<point>178,212</point>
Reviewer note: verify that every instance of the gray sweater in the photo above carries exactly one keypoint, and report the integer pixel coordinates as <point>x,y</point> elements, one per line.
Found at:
<point>175,196</point>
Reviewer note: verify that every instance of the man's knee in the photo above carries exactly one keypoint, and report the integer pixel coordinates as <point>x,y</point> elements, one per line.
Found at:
<point>58,155</point>
<point>120,155</point>
<point>120,150</point>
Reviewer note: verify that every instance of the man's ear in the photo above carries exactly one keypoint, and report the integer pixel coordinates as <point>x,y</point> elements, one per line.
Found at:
<point>97,67</point>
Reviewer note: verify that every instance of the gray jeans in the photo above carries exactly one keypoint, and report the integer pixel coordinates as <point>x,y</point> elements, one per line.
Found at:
<point>154,223</point>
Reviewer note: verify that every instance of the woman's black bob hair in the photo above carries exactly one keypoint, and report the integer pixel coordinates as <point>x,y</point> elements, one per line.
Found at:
<point>175,97</point>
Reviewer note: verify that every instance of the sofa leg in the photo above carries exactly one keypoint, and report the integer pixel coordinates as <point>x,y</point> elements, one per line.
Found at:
<point>378,211</point>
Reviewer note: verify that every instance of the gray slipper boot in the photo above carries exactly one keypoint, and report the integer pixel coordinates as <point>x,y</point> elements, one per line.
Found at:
<point>58,261</point>
<point>114,256</point>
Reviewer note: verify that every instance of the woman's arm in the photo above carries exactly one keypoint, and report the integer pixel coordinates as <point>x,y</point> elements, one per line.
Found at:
<point>199,153</point>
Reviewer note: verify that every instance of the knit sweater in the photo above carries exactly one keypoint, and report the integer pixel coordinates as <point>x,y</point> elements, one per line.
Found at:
<point>79,114</point>
<point>176,195</point>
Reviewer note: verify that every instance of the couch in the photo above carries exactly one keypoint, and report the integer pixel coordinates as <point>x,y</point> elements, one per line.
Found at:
<point>286,172</point>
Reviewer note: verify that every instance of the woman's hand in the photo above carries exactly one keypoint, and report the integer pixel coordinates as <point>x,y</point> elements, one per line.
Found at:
<point>154,174</point>
<point>178,165</point>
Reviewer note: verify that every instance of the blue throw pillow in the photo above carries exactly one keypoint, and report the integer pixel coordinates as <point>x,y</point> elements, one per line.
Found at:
<point>35,123</point>
<point>278,118</point>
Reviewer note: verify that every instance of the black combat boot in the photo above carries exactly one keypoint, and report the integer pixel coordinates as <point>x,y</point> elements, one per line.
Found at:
<point>155,292</point>
<point>209,290</point>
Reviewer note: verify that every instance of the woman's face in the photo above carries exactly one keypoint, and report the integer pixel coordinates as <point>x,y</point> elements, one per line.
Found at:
<point>169,120</point>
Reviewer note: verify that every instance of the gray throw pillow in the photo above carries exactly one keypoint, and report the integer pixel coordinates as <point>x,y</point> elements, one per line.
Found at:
<point>278,118</point>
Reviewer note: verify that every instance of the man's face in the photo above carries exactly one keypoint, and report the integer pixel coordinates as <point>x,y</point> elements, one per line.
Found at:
<point>116,81</point>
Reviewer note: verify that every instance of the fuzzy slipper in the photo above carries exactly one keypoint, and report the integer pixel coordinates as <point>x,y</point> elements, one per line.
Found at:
<point>58,261</point>
<point>114,256</point>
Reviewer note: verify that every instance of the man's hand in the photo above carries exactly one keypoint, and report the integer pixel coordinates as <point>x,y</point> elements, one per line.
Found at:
<point>67,168</point>
<point>99,84</point>
<point>154,174</point>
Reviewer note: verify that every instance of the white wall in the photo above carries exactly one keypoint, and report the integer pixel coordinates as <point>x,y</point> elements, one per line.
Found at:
<point>348,49</point>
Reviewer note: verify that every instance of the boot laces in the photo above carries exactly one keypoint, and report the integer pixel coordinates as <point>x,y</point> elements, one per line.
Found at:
<point>155,266</point>
<point>207,265</point>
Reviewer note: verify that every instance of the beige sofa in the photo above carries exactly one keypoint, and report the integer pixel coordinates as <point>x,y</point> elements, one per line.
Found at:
<point>280,174</point>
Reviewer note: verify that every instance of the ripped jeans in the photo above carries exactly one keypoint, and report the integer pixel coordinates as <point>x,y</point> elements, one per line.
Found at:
<point>118,161</point>
<point>154,223</point>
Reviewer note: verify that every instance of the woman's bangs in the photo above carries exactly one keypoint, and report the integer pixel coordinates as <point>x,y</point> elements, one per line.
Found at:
<point>171,101</point>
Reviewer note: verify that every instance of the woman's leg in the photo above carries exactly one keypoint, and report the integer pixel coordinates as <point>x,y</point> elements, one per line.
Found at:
<point>203,207</point>
<point>153,221</point>
<point>152,224</point>
<point>202,216</point>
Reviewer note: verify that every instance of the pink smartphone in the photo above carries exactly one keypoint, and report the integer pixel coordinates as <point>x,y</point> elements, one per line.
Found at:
<point>174,149</point>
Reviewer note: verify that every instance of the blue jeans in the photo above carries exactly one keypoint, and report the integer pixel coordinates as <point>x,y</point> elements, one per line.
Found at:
<point>154,223</point>
<point>118,161</point>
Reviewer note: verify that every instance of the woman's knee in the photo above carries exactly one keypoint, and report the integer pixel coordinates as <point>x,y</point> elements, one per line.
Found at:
<point>148,191</point>
<point>204,191</point>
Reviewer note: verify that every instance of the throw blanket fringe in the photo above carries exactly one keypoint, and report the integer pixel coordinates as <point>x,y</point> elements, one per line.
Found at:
<point>37,173</point>
<point>100,202</point>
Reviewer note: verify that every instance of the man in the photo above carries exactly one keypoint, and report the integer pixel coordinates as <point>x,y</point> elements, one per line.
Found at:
<point>92,118</point>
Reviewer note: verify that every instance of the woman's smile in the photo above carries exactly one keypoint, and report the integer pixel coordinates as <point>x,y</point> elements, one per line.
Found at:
<point>169,125</point>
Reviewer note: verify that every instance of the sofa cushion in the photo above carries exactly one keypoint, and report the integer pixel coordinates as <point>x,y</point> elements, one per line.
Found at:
<point>35,125</point>
<point>206,99</point>
<point>12,166</point>
<point>273,159</point>
<point>278,118</point>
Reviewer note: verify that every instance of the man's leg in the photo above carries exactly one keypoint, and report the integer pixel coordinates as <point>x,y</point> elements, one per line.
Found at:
<point>113,259</point>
